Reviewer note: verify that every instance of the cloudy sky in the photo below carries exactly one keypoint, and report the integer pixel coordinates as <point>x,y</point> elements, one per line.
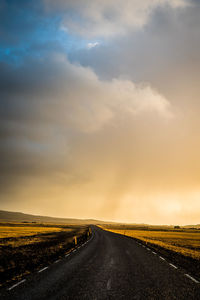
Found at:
<point>100,109</point>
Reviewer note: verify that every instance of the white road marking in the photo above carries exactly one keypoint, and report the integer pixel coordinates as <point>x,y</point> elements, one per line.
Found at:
<point>42,270</point>
<point>66,255</point>
<point>112,261</point>
<point>193,279</point>
<point>55,262</point>
<point>161,257</point>
<point>173,266</point>
<point>148,249</point>
<point>12,287</point>
<point>154,252</point>
<point>109,284</point>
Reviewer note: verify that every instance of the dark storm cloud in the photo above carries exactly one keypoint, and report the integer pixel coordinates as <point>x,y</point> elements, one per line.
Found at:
<point>50,109</point>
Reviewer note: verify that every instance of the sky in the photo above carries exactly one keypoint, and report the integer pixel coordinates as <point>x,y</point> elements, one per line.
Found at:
<point>99,109</point>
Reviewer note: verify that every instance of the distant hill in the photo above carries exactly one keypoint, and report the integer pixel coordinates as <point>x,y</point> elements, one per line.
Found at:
<point>192,226</point>
<point>9,216</point>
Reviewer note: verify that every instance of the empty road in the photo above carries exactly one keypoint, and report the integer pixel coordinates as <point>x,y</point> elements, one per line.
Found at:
<point>109,266</point>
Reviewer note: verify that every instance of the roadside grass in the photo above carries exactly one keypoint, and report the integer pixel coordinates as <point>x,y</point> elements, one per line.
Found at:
<point>10,231</point>
<point>27,247</point>
<point>16,235</point>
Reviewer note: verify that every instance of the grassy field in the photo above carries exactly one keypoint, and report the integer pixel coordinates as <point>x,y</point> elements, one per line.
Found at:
<point>18,234</point>
<point>183,241</point>
<point>20,230</point>
<point>26,247</point>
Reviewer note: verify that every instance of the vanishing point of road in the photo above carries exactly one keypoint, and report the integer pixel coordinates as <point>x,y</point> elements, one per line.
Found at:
<point>108,266</point>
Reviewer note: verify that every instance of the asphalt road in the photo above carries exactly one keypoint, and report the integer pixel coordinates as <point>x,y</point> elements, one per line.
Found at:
<point>109,266</point>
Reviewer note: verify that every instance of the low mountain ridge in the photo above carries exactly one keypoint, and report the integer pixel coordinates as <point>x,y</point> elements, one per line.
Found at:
<point>9,216</point>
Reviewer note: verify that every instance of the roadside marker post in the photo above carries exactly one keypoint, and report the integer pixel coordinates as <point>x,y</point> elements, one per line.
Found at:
<point>75,240</point>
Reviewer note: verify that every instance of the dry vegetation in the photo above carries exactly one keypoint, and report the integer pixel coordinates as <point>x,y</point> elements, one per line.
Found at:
<point>26,247</point>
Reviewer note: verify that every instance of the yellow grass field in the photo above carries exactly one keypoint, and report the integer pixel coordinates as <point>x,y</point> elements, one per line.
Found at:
<point>21,234</point>
<point>18,231</point>
<point>186,242</point>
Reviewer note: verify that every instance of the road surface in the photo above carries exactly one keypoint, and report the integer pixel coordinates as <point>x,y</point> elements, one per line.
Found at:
<point>109,266</point>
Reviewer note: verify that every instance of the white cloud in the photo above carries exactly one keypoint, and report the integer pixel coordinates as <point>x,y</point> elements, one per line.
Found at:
<point>92,45</point>
<point>83,102</point>
<point>87,103</point>
<point>106,18</point>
